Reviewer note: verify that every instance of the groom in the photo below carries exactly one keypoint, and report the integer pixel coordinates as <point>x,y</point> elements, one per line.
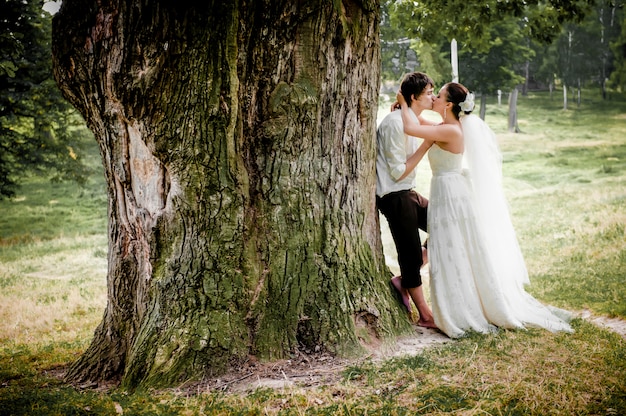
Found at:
<point>404,209</point>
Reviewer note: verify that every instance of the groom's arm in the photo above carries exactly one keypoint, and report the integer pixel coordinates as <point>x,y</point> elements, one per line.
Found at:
<point>394,148</point>
<point>415,158</point>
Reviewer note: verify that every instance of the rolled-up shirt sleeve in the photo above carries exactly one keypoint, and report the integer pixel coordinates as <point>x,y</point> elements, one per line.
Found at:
<point>394,149</point>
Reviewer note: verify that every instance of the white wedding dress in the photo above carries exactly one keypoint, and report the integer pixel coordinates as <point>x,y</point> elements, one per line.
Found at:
<point>477,271</point>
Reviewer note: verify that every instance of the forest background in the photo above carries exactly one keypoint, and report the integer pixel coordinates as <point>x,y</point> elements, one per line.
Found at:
<point>562,49</point>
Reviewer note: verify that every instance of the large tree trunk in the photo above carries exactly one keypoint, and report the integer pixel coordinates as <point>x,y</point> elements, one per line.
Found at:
<point>238,140</point>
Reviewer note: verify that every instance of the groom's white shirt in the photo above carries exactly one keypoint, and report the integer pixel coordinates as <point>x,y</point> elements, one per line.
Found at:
<point>394,148</point>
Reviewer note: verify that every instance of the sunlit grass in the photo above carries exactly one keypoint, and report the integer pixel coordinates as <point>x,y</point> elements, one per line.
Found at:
<point>53,249</point>
<point>53,290</point>
<point>513,372</point>
<point>507,373</point>
<point>565,181</point>
<point>42,210</point>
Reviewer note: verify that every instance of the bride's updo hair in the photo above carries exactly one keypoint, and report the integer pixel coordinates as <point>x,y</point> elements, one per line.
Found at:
<point>457,93</point>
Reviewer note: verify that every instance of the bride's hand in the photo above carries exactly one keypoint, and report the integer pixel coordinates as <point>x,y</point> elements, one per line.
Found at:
<point>395,106</point>
<point>400,99</point>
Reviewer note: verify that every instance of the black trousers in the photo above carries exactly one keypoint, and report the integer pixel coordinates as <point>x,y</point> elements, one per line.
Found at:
<point>406,213</point>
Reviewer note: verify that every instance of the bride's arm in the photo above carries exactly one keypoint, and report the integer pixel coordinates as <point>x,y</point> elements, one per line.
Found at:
<point>435,133</point>
<point>426,122</point>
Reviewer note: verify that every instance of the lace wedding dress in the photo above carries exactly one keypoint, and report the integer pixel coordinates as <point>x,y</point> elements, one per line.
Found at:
<point>477,271</point>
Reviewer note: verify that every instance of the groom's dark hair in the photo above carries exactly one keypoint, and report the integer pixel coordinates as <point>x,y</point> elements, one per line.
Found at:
<point>414,83</point>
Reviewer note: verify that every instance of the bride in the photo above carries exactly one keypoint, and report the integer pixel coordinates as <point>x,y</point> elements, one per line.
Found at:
<point>477,272</point>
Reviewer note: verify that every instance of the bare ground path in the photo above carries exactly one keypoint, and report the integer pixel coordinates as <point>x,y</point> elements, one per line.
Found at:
<point>306,370</point>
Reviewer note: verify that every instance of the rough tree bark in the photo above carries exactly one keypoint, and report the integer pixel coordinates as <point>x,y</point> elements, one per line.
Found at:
<point>238,140</point>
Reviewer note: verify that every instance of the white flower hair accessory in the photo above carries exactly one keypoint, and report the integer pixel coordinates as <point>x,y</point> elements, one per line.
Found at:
<point>468,104</point>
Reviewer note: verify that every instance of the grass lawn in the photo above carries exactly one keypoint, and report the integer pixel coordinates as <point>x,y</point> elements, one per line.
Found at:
<point>565,178</point>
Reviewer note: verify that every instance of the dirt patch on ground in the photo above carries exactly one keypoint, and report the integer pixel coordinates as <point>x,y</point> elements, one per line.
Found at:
<point>311,370</point>
<point>306,370</point>
<point>612,324</point>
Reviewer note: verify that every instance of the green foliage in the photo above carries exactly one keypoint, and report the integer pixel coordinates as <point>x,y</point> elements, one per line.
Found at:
<point>503,44</point>
<point>496,65</point>
<point>469,22</point>
<point>582,51</point>
<point>402,51</point>
<point>434,60</point>
<point>546,19</point>
<point>397,57</point>
<point>39,132</point>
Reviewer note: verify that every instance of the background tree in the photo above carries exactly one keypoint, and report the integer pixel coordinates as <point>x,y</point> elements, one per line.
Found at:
<point>494,37</point>
<point>403,51</point>
<point>588,41</point>
<point>618,47</point>
<point>459,19</point>
<point>609,14</point>
<point>582,50</point>
<point>397,57</point>
<point>542,69</point>
<point>39,131</point>
<point>498,63</point>
<point>567,64</point>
